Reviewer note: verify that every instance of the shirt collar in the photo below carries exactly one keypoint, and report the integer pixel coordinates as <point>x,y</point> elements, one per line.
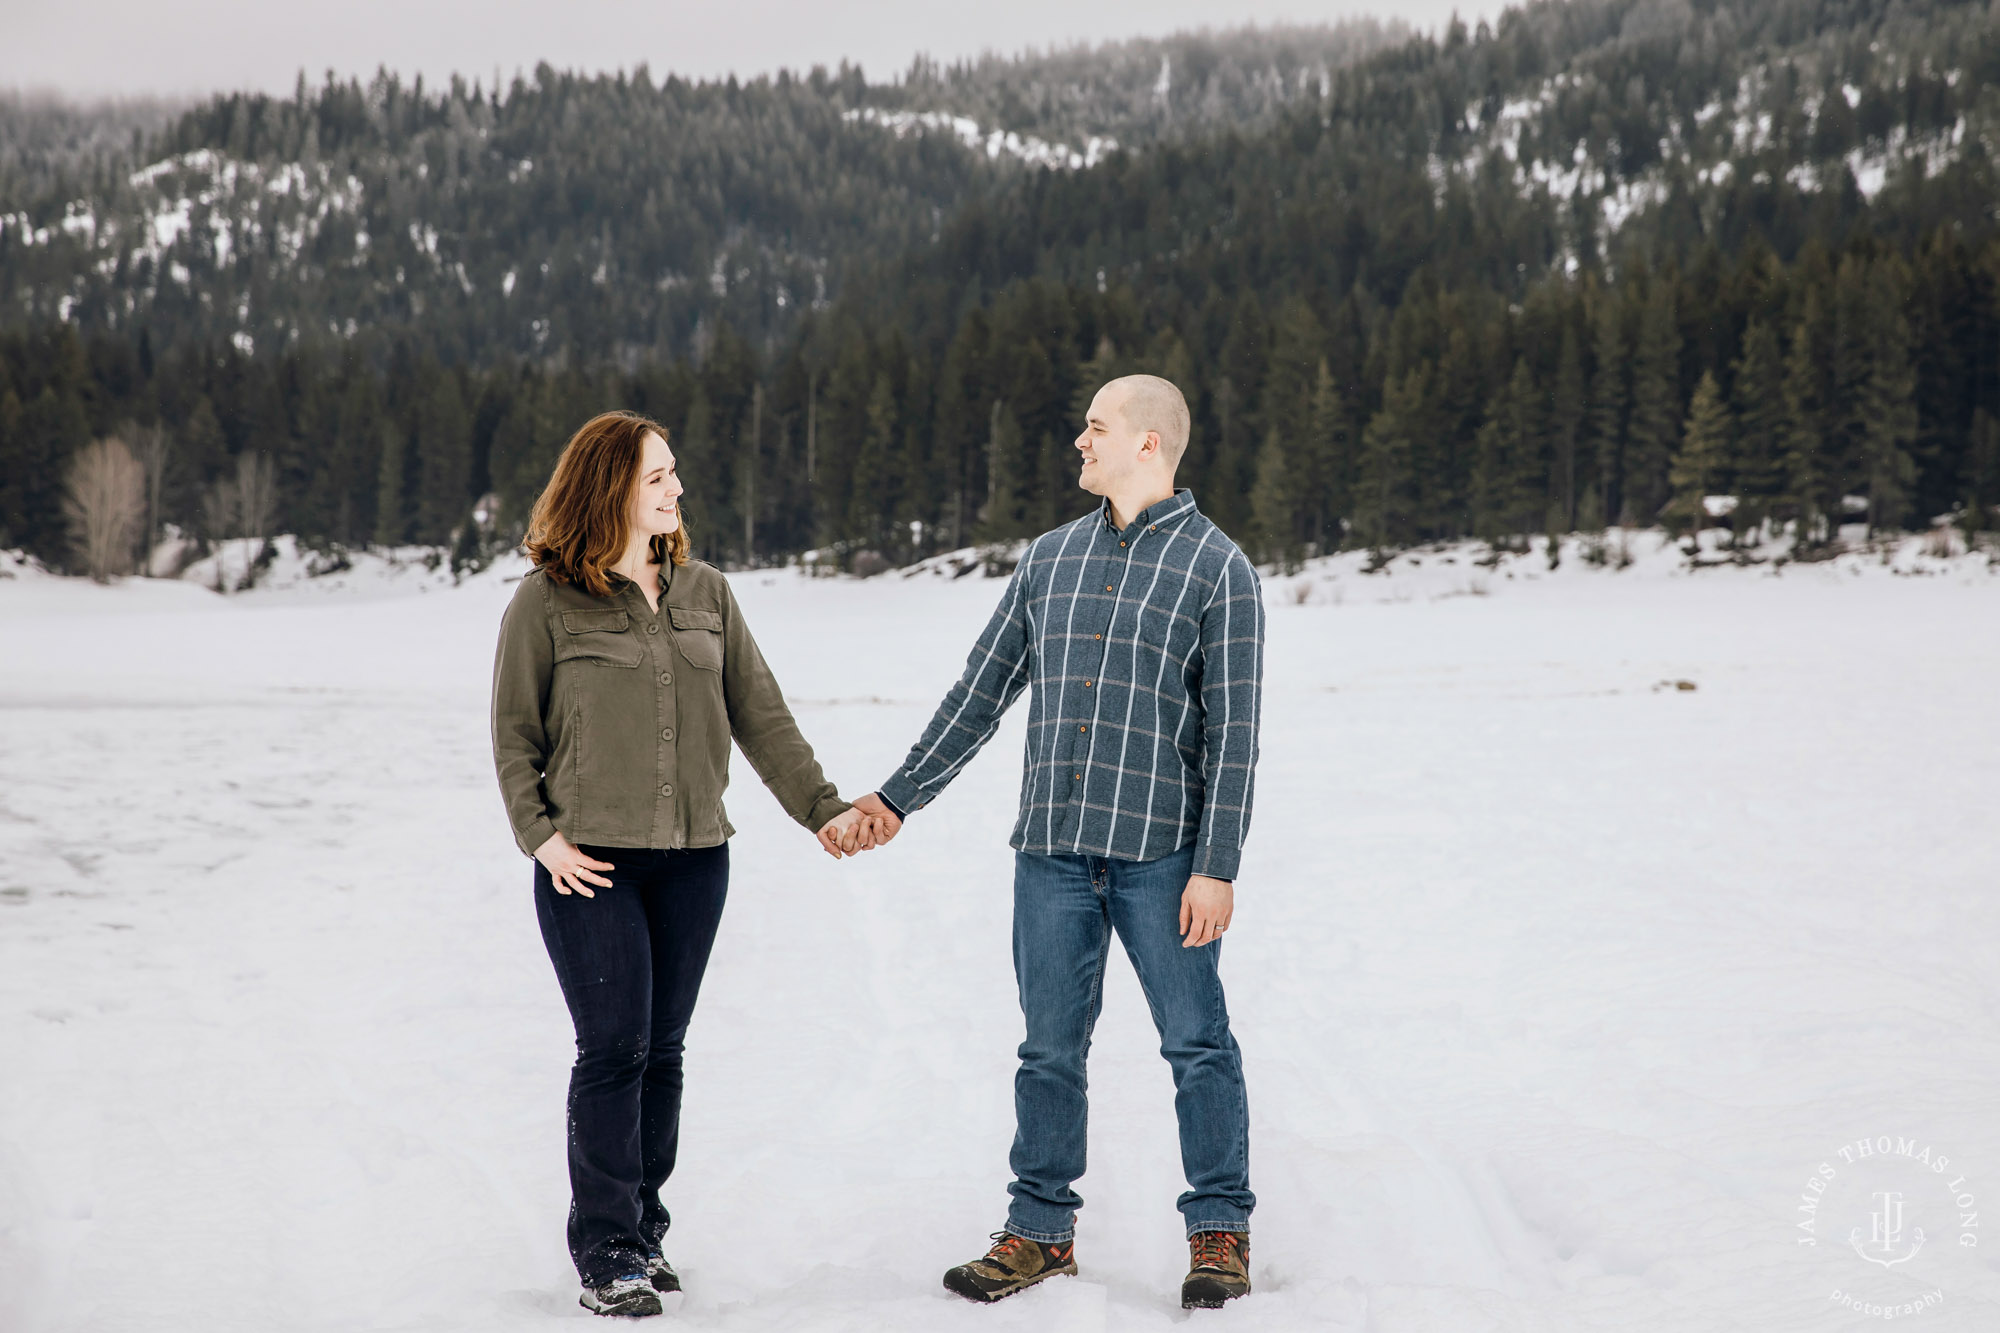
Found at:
<point>1180,504</point>
<point>619,583</point>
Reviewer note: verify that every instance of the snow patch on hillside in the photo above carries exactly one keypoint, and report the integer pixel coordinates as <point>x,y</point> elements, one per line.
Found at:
<point>1521,139</point>
<point>1029,149</point>
<point>202,201</point>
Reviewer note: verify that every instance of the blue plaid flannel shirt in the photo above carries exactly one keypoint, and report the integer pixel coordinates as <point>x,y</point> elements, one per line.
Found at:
<point>1145,648</point>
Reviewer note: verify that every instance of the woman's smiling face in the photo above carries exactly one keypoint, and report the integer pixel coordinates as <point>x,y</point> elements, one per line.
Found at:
<point>656,497</point>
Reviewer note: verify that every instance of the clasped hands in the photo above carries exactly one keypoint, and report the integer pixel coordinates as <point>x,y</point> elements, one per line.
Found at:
<point>1207,904</point>
<point>868,825</point>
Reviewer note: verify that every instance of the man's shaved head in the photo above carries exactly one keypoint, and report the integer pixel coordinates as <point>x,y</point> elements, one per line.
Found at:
<point>1151,403</point>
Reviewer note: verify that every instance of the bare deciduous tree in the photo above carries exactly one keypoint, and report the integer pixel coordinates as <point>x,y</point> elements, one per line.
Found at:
<point>104,499</point>
<point>256,497</point>
<point>244,506</point>
<point>219,511</point>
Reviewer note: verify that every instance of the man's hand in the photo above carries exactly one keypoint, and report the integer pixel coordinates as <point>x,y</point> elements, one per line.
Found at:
<point>570,868</point>
<point>876,830</point>
<point>1206,907</point>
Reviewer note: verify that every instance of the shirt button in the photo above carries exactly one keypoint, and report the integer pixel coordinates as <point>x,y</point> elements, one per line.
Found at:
<point>652,629</point>
<point>1086,684</point>
<point>666,678</point>
<point>1097,636</point>
<point>666,789</point>
<point>1079,777</point>
<point>1083,728</point>
<point>1107,587</point>
<point>667,734</point>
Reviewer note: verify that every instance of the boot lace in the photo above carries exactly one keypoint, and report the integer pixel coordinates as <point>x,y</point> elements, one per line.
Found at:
<point>1006,1245</point>
<point>1214,1249</point>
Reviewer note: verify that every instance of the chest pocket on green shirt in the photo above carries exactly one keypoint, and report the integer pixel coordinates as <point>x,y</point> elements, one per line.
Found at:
<point>698,634</point>
<point>602,638</point>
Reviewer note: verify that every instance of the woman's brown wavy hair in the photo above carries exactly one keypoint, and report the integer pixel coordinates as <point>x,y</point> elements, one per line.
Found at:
<point>583,517</point>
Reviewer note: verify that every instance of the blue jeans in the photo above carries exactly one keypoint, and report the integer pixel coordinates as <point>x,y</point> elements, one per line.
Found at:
<point>630,963</point>
<point>1065,910</point>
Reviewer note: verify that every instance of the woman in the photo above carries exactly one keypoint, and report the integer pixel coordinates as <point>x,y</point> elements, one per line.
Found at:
<point>624,670</point>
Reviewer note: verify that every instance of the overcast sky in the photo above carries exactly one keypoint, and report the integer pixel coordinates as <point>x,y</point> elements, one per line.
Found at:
<point>91,48</point>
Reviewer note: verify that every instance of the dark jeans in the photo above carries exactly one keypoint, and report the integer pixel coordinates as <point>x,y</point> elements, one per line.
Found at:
<point>630,963</point>
<point>1066,909</point>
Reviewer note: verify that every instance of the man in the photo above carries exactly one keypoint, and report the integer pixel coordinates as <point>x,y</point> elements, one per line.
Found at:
<point>1141,629</point>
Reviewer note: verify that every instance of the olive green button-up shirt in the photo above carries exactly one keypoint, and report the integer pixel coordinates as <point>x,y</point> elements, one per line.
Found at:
<point>612,721</point>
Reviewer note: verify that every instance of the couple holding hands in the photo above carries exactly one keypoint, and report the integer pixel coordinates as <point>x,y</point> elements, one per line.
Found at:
<point>625,670</point>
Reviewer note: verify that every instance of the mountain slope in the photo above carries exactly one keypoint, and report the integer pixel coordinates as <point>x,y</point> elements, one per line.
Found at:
<point>588,218</point>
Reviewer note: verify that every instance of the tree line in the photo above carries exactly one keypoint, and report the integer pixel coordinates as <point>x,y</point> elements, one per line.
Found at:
<point>1858,385</point>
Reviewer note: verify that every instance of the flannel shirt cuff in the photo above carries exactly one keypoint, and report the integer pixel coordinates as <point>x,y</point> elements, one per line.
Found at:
<point>1216,861</point>
<point>901,795</point>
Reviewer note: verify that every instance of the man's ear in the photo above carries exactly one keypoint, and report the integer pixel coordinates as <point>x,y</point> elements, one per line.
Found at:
<point>1151,445</point>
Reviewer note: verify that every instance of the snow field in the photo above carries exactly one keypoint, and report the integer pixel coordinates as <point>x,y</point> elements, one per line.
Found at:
<point>1553,986</point>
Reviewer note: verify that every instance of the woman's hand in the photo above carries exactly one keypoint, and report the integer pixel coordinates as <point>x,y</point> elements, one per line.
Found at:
<point>837,830</point>
<point>569,868</point>
<point>852,833</point>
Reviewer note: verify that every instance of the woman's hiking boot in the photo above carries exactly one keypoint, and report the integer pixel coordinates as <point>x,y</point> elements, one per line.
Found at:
<point>632,1295</point>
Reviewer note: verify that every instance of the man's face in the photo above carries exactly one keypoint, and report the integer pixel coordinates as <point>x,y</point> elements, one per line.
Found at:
<point>1111,449</point>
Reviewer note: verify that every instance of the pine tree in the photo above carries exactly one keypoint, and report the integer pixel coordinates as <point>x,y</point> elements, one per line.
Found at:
<point>392,511</point>
<point>1889,410</point>
<point>1981,478</point>
<point>1507,487</point>
<point>54,426</point>
<point>1328,463</point>
<point>201,440</point>
<point>1850,404</point>
<point>1297,349</point>
<point>1274,504</point>
<point>14,464</point>
<point>749,464</point>
<point>444,457</point>
<point>1758,462</point>
<point>1489,448</point>
<point>695,449</point>
<point>1002,515</point>
<point>1806,473</point>
<point>1655,428</point>
<point>1104,365</point>
<point>1382,501</point>
<point>1605,422</point>
<point>867,519</point>
<point>1566,421</point>
<point>1704,453</point>
<point>1444,438</point>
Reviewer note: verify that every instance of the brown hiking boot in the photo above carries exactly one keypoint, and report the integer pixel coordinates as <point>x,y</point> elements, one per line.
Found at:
<point>1218,1269</point>
<point>1014,1262</point>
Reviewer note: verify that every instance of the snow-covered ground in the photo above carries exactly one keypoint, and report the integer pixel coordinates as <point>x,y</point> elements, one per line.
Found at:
<point>1557,982</point>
